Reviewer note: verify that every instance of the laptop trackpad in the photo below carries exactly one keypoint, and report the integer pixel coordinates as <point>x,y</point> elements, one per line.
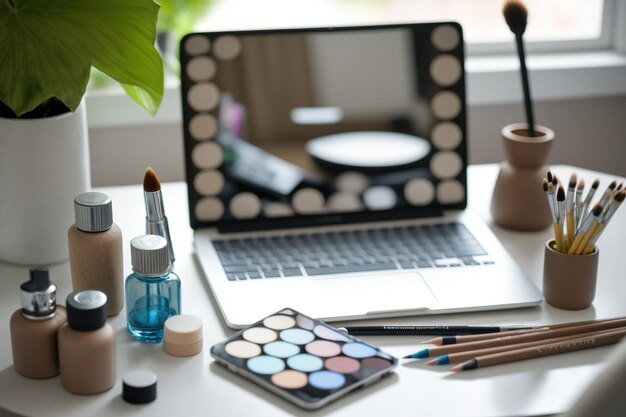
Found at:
<point>371,294</point>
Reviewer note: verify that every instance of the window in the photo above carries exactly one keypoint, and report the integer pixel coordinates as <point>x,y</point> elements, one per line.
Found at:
<point>556,24</point>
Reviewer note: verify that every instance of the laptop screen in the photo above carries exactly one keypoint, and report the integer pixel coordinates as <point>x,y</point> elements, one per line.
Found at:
<point>321,126</point>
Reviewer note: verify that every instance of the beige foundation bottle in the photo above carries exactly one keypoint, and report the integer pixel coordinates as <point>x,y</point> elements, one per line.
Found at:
<point>34,328</point>
<point>95,245</point>
<point>87,345</point>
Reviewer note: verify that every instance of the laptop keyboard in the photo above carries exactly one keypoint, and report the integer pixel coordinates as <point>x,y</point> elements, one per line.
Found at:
<point>447,245</point>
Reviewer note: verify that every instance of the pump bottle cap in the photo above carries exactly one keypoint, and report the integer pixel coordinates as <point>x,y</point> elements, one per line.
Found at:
<point>38,295</point>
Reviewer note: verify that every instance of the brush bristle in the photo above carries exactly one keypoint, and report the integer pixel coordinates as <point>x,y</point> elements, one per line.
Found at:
<point>555,180</point>
<point>150,181</point>
<point>612,185</point>
<point>619,197</point>
<point>545,184</point>
<point>560,194</point>
<point>597,210</point>
<point>572,181</point>
<point>549,176</point>
<point>595,184</point>
<point>581,185</point>
<point>516,16</point>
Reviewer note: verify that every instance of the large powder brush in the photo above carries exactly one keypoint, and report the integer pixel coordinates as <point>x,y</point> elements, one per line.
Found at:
<point>516,17</point>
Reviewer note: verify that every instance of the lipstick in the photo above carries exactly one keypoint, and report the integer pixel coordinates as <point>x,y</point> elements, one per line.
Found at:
<point>156,221</point>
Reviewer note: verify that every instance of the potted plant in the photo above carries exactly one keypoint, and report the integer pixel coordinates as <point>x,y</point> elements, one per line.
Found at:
<point>47,49</point>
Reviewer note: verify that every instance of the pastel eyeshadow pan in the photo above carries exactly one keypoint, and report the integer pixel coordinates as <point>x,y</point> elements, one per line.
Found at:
<point>329,334</point>
<point>281,349</point>
<point>259,335</point>
<point>342,364</point>
<point>375,363</point>
<point>297,336</point>
<point>358,350</point>
<point>305,322</point>
<point>305,363</point>
<point>326,380</point>
<point>266,365</point>
<point>279,322</point>
<point>290,379</point>
<point>323,348</point>
<point>242,349</point>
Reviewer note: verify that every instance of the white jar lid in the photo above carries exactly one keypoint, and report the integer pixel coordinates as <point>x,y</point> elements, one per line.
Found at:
<point>182,329</point>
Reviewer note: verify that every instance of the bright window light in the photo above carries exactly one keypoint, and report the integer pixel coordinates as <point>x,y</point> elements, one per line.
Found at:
<point>482,21</point>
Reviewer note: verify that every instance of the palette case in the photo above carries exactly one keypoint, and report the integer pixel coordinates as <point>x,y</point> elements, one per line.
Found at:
<point>303,360</point>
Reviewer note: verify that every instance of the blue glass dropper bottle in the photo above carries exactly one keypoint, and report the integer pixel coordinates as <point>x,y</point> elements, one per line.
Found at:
<point>152,290</point>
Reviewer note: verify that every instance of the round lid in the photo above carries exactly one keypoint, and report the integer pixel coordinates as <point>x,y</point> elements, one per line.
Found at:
<point>139,387</point>
<point>150,255</point>
<point>183,329</point>
<point>86,310</point>
<point>93,212</point>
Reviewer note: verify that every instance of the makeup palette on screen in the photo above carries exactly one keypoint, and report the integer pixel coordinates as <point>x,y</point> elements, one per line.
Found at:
<point>301,359</point>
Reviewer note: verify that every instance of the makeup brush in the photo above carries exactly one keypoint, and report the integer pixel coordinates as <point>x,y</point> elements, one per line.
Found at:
<point>569,210</point>
<point>516,16</point>
<point>578,204</point>
<point>588,234</point>
<point>618,199</point>
<point>558,227</point>
<point>156,221</point>
<point>587,202</point>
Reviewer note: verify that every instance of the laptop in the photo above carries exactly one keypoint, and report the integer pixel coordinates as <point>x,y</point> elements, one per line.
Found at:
<point>326,172</point>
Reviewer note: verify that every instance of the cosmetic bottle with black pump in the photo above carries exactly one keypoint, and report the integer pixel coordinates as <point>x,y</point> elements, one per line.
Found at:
<point>87,345</point>
<point>34,328</point>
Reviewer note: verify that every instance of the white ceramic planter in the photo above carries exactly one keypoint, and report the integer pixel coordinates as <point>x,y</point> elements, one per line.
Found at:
<point>44,164</point>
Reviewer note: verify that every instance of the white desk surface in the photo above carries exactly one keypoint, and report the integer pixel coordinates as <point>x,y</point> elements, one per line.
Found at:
<point>196,386</point>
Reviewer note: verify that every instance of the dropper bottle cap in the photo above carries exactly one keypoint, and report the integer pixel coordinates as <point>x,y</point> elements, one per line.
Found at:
<point>150,256</point>
<point>38,295</point>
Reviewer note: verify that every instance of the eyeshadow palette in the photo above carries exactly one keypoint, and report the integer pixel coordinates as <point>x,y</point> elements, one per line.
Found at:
<point>302,359</point>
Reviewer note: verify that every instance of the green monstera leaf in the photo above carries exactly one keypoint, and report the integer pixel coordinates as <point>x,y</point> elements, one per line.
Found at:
<point>47,48</point>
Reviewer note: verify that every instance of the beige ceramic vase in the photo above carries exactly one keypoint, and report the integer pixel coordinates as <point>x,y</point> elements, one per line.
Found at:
<point>518,201</point>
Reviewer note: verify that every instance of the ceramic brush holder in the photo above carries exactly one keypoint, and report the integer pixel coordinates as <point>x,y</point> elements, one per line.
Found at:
<point>518,201</point>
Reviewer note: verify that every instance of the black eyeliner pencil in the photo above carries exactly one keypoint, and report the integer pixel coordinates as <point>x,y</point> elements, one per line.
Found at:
<point>427,330</point>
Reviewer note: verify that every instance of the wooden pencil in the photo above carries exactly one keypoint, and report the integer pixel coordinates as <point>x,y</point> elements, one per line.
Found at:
<point>470,354</point>
<point>452,340</point>
<point>520,338</point>
<point>581,343</point>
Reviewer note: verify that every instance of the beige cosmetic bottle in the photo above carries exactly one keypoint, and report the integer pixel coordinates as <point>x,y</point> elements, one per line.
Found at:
<point>95,245</point>
<point>34,328</point>
<point>87,345</point>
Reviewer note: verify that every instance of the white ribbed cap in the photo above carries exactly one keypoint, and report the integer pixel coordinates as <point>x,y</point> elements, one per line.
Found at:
<point>93,212</point>
<point>150,255</point>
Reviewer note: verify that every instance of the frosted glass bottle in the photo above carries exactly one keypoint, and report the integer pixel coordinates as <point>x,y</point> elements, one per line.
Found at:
<point>34,328</point>
<point>96,247</point>
<point>152,290</point>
